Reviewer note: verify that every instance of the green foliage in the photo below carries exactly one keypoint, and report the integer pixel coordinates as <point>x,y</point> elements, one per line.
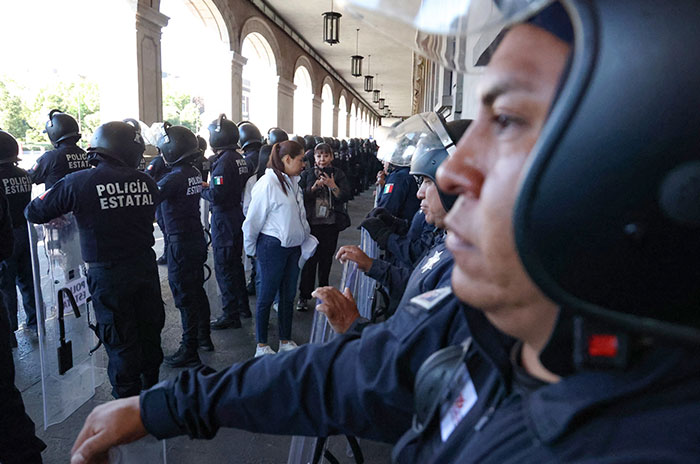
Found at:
<point>23,112</point>
<point>182,109</point>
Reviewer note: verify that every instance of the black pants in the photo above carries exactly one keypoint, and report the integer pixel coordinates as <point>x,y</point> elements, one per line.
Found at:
<point>17,270</point>
<point>130,316</point>
<point>18,443</point>
<point>327,235</point>
<point>186,258</point>
<point>161,225</point>
<point>230,275</point>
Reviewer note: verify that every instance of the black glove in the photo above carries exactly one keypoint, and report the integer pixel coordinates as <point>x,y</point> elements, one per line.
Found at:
<point>397,225</point>
<point>377,211</point>
<point>377,230</point>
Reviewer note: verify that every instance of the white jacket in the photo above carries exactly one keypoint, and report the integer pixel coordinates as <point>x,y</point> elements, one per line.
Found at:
<point>273,213</point>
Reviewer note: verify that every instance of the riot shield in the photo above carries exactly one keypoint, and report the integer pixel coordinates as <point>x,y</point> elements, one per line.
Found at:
<point>69,374</point>
<point>310,450</point>
<point>148,450</point>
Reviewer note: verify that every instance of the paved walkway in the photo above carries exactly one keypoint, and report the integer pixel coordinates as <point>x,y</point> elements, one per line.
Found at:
<point>229,446</point>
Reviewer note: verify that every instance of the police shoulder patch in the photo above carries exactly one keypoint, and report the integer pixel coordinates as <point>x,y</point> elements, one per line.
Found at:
<point>429,300</point>
<point>388,188</point>
<point>218,180</point>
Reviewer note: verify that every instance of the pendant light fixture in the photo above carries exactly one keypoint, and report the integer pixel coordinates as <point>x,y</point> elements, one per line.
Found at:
<point>381,103</point>
<point>369,79</point>
<point>356,59</point>
<point>331,26</point>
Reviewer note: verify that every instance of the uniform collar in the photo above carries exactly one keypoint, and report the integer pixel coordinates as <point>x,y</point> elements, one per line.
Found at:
<point>554,408</point>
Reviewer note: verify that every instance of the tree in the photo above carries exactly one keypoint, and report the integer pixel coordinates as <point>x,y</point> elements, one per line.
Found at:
<point>182,109</point>
<point>13,111</point>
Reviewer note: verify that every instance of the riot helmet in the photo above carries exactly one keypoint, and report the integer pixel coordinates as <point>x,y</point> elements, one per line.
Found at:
<point>430,152</point>
<point>300,140</point>
<point>419,132</point>
<point>343,145</point>
<point>61,126</point>
<point>118,142</point>
<point>318,140</point>
<point>607,217</point>
<point>309,142</point>
<point>223,134</point>
<point>9,148</point>
<point>177,144</point>
<point>249,134</point>
<point>277,135</point>
<point>202,143</point>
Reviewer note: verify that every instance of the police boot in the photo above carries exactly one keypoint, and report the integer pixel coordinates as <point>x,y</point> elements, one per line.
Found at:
<point>226,322</point>
<point>250,287</point>
<point>204,340</point>
<point>183,357</point>
<point>163,260</point>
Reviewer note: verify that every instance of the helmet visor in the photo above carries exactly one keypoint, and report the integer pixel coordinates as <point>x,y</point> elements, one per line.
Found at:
<point>419,133</point>
<point>454,33</point>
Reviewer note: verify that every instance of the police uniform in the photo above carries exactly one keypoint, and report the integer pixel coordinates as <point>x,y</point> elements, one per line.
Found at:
<point>406,249</point>
<point>56,164</point>
<point>114,207</point>
<point>180,191</point>
<point>18,442</point>
<point>225,193</point>
<point>350,389</point>
<point>251,154</point>
<point>157,169</point>
<point>17,269</point>
<point>399,194</point>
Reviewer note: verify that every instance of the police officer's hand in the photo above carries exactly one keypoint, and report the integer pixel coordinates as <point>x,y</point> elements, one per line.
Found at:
<point>355,254</point>
<point>110,424</point>
<point>205,185</point>
<point>381,178</point>
<point>377,230</point>
<point>339,308</point>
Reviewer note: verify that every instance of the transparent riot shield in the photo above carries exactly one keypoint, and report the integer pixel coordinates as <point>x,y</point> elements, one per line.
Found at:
<point>210,285</point>
<point>69,374</point>
<point>148,450</point>
<point>310,450</point>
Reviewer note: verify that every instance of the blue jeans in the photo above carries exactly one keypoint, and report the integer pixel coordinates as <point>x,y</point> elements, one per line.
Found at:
<point>278,270</point>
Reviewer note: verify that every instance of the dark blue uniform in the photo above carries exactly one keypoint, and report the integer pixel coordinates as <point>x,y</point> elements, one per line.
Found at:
<point>55,164</point>
<point>16,270</point>
<point>157,169</point>
<point>225,195</point>
<point>18,443</point>
<point>360,383</point>
<point>252,156</point>
<point>114,207</point>
<point>399,194</point>
<point>405,250</point>
<point>180,191</point>
<point>431,271</point>
<point>645,413</point>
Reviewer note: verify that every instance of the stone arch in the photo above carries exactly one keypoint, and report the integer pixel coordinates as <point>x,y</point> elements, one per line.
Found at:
<point>257,25</point>
<point>304,61</point>
<point>343,93</point>
<point>331,83</point>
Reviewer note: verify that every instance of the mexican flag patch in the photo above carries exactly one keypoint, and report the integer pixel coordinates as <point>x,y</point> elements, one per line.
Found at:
<point>218,180</point>
<point>388,188</point>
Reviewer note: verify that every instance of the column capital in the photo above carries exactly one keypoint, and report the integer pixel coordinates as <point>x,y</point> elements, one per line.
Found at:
<point>286,87</point>
<point>317,101</point>
<point>150,18</point>
<point>237,59</point>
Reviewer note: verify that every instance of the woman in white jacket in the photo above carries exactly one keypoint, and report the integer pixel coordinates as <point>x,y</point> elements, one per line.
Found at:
<point>273,231</point>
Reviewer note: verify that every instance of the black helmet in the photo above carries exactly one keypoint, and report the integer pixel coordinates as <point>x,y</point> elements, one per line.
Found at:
<point>343,145</point>
<point>309,142</point>
<point>318,140</point>
<point>177,144</point>
<point>277,135</point>
<point>426,163</point>
<point>223,134</point>
<point>61,126</point>
<point>202,143</point>
<point>249,134</point>
<point>300,140</point>
<point>118,141</point>
<point>9,149</point>
<point>607,220</point>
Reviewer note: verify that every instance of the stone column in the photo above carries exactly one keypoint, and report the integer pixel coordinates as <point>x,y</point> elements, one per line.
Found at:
<point>336,110</point>
<point>347,125</point>
<point>285,104</point>
<point>316,115</point>
<point>149,23</point>
<point>237,63</point>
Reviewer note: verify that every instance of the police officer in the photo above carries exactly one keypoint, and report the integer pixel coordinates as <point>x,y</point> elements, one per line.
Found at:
<point>606,327</point>
<point>114,205</point>
<point>225,192</point>
<point>180,191</point>
<point>18,442</point>
<point>250,140</point>
<point>202,163</point>
<point>16,269</point>
<point>404,281</point>
<point>157,169</point>
<point>66,157</point>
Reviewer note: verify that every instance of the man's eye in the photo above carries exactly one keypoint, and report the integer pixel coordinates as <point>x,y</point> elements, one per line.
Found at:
<point>504,121</point>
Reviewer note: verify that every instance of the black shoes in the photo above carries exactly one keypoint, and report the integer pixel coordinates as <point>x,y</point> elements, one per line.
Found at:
<point>245,313</point>
<point>250,287</point>
<point>162,261</point>
<point>205,343</point>
<point>301,305</point>
<point>183,357</point>
<point>226,322</point>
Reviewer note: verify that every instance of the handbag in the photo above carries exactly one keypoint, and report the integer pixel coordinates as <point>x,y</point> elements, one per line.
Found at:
<point>342,218</point>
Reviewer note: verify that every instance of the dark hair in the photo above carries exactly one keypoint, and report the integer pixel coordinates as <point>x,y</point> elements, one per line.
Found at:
<point>279,151</point>
<point>323,147</point>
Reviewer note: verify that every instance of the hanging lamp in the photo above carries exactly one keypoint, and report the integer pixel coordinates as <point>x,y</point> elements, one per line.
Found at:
<point>369,79</point>
<point>331,26</point>
<point>356,59</point>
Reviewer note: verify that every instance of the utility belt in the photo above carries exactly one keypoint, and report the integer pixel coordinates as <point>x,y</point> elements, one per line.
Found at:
<point>145,258</point>
<point>192,236</point>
